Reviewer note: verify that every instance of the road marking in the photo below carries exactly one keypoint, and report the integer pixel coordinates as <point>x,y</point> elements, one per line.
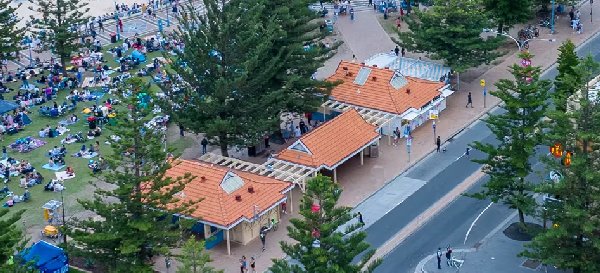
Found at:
<point>475,221</point>
<point>427,215</point>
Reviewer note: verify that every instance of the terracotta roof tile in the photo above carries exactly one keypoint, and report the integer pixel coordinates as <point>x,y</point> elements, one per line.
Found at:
<point>332,142</point>
<point>219,207</point>
<point>377,93</point>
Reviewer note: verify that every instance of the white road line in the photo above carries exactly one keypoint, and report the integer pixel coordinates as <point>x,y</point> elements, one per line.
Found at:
<point>475,221</point>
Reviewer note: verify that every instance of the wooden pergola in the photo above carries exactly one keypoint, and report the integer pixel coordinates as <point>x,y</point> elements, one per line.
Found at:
<point>375,117</point>
<point>274,168</point>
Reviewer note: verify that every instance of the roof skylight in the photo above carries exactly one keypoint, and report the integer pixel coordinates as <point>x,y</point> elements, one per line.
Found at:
<point>231,182</point>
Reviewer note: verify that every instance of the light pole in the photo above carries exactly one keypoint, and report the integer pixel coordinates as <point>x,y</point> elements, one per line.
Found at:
<point>117,22</point>
<point>408,145</point>
<point>169,6</point>
<point>482,83</point>
<point>591,11</point>
<point>552,18</point>
<point>64,224</point>
<point>519,44</point>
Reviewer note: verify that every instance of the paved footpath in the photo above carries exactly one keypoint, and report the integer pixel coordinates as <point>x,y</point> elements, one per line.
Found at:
<point>496,253</point>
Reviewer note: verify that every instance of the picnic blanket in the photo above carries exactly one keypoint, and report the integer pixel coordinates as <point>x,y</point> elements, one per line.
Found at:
<point>55,167</point>
<point>63,175</point>
<point>90,83</point>
<point>92,155</point>
<point>26,144</point>
<point>66,122</point>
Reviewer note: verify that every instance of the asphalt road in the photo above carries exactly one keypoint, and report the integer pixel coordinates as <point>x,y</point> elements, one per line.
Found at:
<point>442,173</point>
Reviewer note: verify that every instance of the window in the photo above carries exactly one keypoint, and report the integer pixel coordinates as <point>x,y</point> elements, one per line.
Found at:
<point>398,81</point>
<point>231,182</point>
<point>363,75</point>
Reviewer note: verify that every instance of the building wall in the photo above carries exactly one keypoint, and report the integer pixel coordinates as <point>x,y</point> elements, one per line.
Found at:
<point>246,232</point>
<point>418,121</point>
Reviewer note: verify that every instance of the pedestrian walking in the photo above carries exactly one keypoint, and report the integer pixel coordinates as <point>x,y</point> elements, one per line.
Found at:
<point>4,153</point>
<point>448,255</point>
<point>243,265</point>
<point>360,219</point>
<point>204,143</point>
<point>397,51</point>
<point>284,207</point>
<point>403,51</point>
<point>370,2</point>
<point>181,130</point>
<point>397,135</point>
<point>253,264</point>
<point>469,101</point>
<point>263,238</point>
<point>439,257</point>
<point>120,23</point>
<point>101,26</point>
<point>438,143</point>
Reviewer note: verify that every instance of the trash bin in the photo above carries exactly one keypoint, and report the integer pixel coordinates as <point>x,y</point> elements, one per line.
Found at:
<point>329,25</point>
<point>374,150</point>
<point>113,37</point>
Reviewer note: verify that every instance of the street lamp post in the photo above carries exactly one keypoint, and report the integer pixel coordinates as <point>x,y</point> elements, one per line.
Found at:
<point>64,224</point>
<point>552,19</point>
<point>408,146</point>
<point>591,11</point>
<point>169,6</point>
<point>519,44</point>
<point>117,21</point>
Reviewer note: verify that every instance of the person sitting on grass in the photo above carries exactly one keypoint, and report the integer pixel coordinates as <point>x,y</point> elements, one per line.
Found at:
<point>70,172</point>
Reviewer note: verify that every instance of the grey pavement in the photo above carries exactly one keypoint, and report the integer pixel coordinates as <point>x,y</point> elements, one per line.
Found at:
<point>451,225</point>
<point>497,253</point>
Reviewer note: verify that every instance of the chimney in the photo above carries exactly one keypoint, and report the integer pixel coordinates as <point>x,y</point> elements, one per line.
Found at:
<point>251,189</point>
<point>387,67</point>
<point>350,74</point>
<point>374,78</point>
<point>203,178</point>
<point>238,198</point>
<point>345,68</point>
<point>374,65</point>
<point>407,90</point>
<point>363,64</point>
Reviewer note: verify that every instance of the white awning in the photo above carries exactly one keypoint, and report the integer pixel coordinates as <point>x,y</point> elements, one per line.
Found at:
<point>447,92</point>
<point>410,115</point>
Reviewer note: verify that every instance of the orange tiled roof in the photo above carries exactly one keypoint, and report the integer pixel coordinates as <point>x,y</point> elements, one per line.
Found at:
<point>378,93</point>
<point>218,206</point>
<point>332,142</point>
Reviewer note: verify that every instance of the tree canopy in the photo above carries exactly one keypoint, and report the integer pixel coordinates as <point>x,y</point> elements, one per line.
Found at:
<point>320,245</point>
<point>12,35</point>
<point>567,80</point>
<point>507,13</point>
<point>519,130</point>
<point>573,242</point>
<point>451,31</point>
<point>134,210</point>
<point>57,23</point>
<point>245,64</point>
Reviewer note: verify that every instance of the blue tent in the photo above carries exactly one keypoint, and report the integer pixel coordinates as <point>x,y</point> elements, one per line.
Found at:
<point>48,258</point>
<point>136,55</point>
<point>6,106</point>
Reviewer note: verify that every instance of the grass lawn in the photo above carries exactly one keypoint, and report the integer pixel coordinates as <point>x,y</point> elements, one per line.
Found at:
<point>78,187</point>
